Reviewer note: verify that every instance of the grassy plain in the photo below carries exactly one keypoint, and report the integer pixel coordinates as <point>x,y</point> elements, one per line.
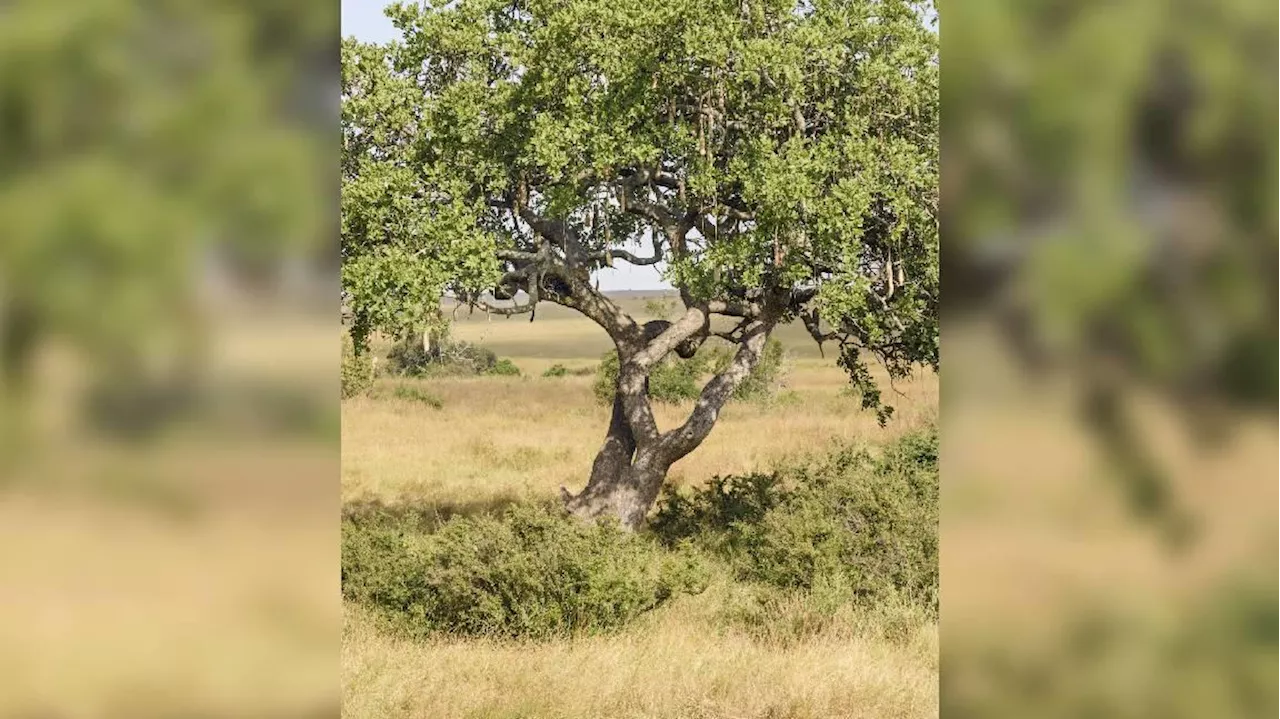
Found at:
<point>496,440</point>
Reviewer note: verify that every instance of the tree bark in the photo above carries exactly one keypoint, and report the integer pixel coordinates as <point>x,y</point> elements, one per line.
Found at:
<point>632,465</point>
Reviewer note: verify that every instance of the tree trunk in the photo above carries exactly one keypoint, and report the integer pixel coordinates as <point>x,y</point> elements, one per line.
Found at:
<point>629,470</point>
<point>622,490</point>
<point>624,483</point>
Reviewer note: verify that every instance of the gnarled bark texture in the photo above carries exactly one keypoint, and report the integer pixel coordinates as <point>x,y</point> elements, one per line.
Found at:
<point>633,462</point>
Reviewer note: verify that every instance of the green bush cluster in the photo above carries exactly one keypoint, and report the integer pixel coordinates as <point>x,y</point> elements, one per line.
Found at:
<point>863,523</point>
<point>504,368</point>
<point>531,572</point>
<point>357,370</point>
<point>407,358</point>
<point>559,370</point>
<point>675,380</point>
<point>765,377</point>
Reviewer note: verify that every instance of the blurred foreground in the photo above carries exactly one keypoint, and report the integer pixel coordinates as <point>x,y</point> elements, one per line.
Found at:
<point>1109,409</point>
<point>168,419</point>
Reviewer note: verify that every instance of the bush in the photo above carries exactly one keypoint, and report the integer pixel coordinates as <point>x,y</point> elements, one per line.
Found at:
<point>866,523</point>
<point>504,368</point>
<point>447,357</point>
<point>357,371</point>
<point>672,380</point>
<point>407,358</point>
<point>559,370</point>
<point>532,572</point>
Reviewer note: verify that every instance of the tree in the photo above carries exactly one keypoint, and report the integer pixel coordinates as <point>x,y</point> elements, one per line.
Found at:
<point>779,157</point>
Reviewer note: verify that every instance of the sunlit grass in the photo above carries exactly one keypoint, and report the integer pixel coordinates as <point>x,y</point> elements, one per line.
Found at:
<point>498,439</point>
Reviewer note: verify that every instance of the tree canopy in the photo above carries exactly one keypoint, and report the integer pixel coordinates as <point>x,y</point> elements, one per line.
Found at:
<point>768,155</point>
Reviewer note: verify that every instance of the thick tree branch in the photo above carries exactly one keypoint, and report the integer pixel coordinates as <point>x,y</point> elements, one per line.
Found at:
<point>679,442</point>
<point>694,321</point>
<point>730,308</point>
<point>516,309</point>
<point>606,257</point>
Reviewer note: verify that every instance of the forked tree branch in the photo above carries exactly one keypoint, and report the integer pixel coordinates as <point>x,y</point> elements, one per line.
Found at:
<point>684,439</point>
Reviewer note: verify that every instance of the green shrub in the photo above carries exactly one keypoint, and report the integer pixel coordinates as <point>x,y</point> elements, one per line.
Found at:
<point>559,370</point>
<point>504,368</point>
<point>864,522</point>
<point>532,572</point>
<point>712,513</point>
<point>407,358</point>
<point>672,380</point>
<point>357,371</point>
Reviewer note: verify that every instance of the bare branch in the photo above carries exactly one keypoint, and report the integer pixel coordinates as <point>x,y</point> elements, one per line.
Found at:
<point>695,320</point>
<point>607,256</point>
<point>516,309</point>
<point>685,438</point>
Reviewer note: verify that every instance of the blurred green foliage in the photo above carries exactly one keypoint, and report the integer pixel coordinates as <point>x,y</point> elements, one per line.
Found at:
<point>1211,655</point>
<point>1112,204</point>
<point>138,143</point>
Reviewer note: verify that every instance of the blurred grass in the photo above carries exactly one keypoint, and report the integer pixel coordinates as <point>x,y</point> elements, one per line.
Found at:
<point>1109,429</point>
<point>168,419</point>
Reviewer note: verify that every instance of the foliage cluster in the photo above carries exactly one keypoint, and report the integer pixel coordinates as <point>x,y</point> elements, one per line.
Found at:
<point>861,525</point>
<point>559,370</point>
<point>784,148</point>
<point>672,380</point>
<point>531,572</point>
<point>504,368</point>
<point>357,370</point>
<point>847,540</point>
<point>1219,656</point>
<point>764,379</point>
<point>447,356</point>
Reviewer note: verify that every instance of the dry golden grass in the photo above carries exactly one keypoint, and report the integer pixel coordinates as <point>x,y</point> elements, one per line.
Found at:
<point>498,439</point>
<point>502,437</point>
<point>1038,544</point>
<point>667,667</point>
<point>194,576</point>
